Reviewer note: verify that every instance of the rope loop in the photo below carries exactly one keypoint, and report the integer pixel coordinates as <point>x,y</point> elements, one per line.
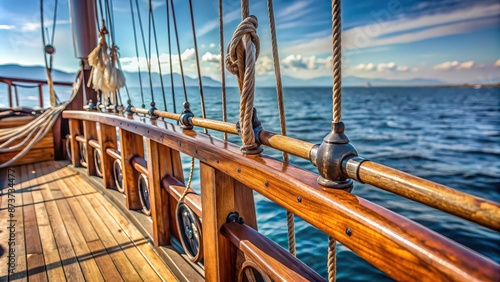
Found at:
<point>242,53</point>
<point>247,27</point>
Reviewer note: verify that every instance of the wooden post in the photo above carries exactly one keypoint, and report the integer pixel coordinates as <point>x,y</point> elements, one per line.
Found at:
<point>74,130</point>
<point>131,145</point>
<point>9,90</point>
<point>158,167</point>
<point>106,135</point>
<point>40,95</point>
<point>217,201</point>
<point>90,132</point>
<point>17,96</point>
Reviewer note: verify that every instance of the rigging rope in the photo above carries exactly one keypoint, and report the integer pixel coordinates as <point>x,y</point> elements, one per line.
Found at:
<point>281,110</point>
<point>157,56</point>
<point>170,57</point>
<point>137,53</point>
<point>223,73</point>
<point>200,85</point>
<point>47,48</point>
<point>337,61</point>
<point>179,50</point>
<point>190,179</point>
<point>145,51</point>
<point>332,259</point>
<point>243,51</point>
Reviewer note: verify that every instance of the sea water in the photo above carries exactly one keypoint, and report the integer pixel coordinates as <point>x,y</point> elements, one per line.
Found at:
<point>447,135</point>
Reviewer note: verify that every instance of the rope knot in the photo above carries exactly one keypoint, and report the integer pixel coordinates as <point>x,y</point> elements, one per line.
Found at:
<point>248,26</point>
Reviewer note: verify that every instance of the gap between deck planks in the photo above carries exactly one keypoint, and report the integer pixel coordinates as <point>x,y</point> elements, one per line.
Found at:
<point>68,231</point>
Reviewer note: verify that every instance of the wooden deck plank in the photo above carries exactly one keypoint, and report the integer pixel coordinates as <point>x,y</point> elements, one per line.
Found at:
<point>136,236</point>
<point>101,257</point>
<point>129,247</point>
<point>55,271</point>
<point>87,263</point>
<point>21,273</point>
<point>114,249</point>
<point>34,254</point>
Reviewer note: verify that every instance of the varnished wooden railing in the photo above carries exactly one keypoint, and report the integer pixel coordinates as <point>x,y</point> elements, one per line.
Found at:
<point>227,179</point>
<point>13,82</point>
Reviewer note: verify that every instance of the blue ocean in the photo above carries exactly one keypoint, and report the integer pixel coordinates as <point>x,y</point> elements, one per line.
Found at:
<point>448,135</point>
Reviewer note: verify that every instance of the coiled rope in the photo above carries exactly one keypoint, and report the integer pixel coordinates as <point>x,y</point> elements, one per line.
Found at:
<point>242,53</point>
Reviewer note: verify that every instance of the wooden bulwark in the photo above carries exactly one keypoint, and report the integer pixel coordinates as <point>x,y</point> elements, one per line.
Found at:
<point>377,235</point>
<point>66,230</point>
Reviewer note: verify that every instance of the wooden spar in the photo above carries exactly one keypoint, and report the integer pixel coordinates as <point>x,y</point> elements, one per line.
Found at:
<point>376,234</point>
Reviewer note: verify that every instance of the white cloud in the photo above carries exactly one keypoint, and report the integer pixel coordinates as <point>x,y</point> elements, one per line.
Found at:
<point>264,66</point>
<point>6,27</point>
<point>404,30</point>
<point>212,45</point>
<point>188,55</point>
<point>211,58</point>
<point>306,62</point>
<point>35,26</point>
<point>454,65</point>
<point>497,63</point>
<point>381,67</point>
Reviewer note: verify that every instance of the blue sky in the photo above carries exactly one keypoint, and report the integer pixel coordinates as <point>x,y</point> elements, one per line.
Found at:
<point>455,41</point>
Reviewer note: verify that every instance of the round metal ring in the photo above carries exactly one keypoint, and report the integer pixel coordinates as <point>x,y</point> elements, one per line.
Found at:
<point>249,271</point>
<point>97,162</point>
<point>118,174</point>
<point>143,186</point>
<point>190,232</point>
<point>68,147</point>
<point>83,153</point>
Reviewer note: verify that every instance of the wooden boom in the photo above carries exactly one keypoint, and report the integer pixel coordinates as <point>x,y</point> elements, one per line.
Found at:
<point>399,247</point>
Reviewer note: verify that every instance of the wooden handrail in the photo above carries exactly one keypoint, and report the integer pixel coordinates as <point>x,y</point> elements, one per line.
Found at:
<point>478,210</point>
<point>279,264</point>
<point>80,139</point>
<point>115,154</point>
<point>94,144</point>
<point>176,188</point>
<point>10,80</point>
<point>419,252</point>
<point>140,165</point>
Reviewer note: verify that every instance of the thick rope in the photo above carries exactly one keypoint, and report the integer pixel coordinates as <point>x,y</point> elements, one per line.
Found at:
<point>337,61</point>
<point>222,72</point>
<point>332,259</point>
<point>243,51</point>
<point>190,179</point>
<point>281,110</point>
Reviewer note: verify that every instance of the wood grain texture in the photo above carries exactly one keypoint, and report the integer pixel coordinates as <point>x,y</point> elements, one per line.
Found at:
<point>106,136</point>
<point>33,156</point>
<point>217,202</point>
<point>74,131</point>
<point>90,133</point>
<point>472,208</point>
<point>378,235</point>
<point>175,188</point>
<point>131,145</point>
<point>275,261</point>
<point>158,167</point>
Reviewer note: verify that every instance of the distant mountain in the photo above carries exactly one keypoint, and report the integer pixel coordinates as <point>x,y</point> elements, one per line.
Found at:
<point>132,78</point>
<point>34,72</point>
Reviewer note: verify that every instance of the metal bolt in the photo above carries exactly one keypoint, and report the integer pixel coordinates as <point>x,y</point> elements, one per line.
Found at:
<point>299,199</point>
<point>348,231</point>
<point>267,184</point>
<point>239,170</point>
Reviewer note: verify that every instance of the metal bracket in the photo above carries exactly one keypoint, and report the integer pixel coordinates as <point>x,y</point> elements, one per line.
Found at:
<point>152,110</point>
<point>91,106</point>
<point>128,110</point>
<point>184,119</point>
<point>329,156</point>
<point>234,217</point>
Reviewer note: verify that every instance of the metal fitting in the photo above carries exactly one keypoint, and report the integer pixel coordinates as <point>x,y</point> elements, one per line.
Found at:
<point>108,105</point>
<point>152,110</point>
<point>185,118</point>
<point>350,167</point>
<point>128,110</point>
<point>256,125</point>
<point>91,106</point>
<point>329,156</point>
<point>235,217</point>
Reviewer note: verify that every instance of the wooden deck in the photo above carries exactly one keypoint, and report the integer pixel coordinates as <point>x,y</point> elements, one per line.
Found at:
<point>67,230</point>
